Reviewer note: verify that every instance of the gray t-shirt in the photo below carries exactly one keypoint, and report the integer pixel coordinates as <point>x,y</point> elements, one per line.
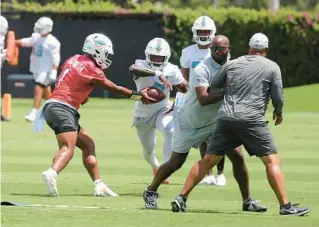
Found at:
<point>197,115</point>
<point>250,81</point>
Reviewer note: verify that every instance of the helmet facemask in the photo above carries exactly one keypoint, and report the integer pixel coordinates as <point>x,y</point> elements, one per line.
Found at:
<point>42,30</point>
<point>157,53</point>
<point>203,37</point>
<point>102,59</point>
<point>204,30</point>
<point>156,62</point>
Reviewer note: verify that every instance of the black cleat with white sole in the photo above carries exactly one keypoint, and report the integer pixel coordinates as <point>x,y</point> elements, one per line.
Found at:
<point>150,199</point>
<point>179,204</point>
<point>293,210</point>
<point>253,205</point>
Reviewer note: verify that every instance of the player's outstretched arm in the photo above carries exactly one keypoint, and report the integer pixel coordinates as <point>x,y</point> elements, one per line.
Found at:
<point>110,86</point>
<point>140,71</point>
<point>133,95</point>
<point>25,42</point>
<point>206,98</point>
<point>18,43</point>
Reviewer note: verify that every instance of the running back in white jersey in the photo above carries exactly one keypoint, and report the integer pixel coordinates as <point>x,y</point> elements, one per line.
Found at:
<point>45,52</point>
<point>174,77</point>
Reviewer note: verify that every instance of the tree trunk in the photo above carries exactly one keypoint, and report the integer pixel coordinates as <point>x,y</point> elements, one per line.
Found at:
<point>274,5</point>
<point>216,3</point>
<point>241,2</point>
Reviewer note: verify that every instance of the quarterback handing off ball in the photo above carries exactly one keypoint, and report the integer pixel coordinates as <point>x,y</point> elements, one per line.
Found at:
<point>156,94</point>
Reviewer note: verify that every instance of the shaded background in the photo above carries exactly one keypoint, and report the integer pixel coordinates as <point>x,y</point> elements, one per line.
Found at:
<point>129,35</point>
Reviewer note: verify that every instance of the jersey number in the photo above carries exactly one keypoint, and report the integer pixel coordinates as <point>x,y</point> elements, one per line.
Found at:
<point>63,74</point>
<point>39,51</point>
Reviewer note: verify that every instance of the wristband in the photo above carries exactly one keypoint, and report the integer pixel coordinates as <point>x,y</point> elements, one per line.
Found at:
<point>136,96</point>
<point>158,73</point>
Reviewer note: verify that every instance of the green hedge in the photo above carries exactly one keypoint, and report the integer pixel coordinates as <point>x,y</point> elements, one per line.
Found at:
<point>61,6</point>
<point>294,36</point>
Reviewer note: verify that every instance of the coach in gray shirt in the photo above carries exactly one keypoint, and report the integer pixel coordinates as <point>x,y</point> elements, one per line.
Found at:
<point>250,81</point>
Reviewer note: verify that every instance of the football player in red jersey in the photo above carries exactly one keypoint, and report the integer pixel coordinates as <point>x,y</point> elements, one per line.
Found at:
<point>80,75</point>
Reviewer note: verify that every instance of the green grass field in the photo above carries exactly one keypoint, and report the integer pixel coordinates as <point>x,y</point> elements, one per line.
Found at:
<point>25,155</point>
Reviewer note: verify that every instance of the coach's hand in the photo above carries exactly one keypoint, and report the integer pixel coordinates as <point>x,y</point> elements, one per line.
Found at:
<point>278,119</point>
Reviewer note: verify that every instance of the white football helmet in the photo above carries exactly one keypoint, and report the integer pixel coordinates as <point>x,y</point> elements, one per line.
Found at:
<point>100,47</point>
<point>204,23</point>
<point>157,47</point>
<point>43,26</point>
<point>3,26</point>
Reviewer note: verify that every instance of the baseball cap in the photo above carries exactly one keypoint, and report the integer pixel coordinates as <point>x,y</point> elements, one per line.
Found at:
<point>258,41</point>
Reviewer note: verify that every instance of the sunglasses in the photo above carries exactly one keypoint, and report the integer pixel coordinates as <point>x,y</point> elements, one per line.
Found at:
<point>220,48</point>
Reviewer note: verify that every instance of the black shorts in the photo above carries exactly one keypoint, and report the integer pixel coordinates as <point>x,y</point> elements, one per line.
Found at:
<point>256,138</point>
<point>61,118</point>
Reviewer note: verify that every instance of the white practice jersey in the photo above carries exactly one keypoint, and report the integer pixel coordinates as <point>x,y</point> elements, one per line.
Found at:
<point>199,116</point>
<point>191,57</point>
<point>174,77</point>
<point>45,52</point>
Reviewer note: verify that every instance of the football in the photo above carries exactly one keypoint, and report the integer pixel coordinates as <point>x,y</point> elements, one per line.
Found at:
<point>156,94</point>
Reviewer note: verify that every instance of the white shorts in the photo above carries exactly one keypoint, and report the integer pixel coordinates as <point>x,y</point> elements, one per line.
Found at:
<point>185,137</point>
<point>42,78</point>
<point>150,122</point>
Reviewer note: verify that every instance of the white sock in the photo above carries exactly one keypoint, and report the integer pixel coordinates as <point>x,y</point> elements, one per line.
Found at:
<point>34,110</point>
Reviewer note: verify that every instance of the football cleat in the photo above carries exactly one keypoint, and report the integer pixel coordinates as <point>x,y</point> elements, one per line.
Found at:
<point>101,190</point>
<point>294,211</point>
<point>150,199</point>
<point>220,180</point>
<point>253,205</point>
<point>50,178</point>
<point>210,180</point>
<point>179,204</point>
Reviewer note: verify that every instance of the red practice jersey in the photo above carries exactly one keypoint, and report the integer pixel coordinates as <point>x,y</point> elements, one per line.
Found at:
<point>74,85</point>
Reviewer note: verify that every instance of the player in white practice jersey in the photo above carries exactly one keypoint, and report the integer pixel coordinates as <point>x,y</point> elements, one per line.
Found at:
<point>44,61</point>
<point>157,72</point>
<point>3,32</point>
<point>204,30</point>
